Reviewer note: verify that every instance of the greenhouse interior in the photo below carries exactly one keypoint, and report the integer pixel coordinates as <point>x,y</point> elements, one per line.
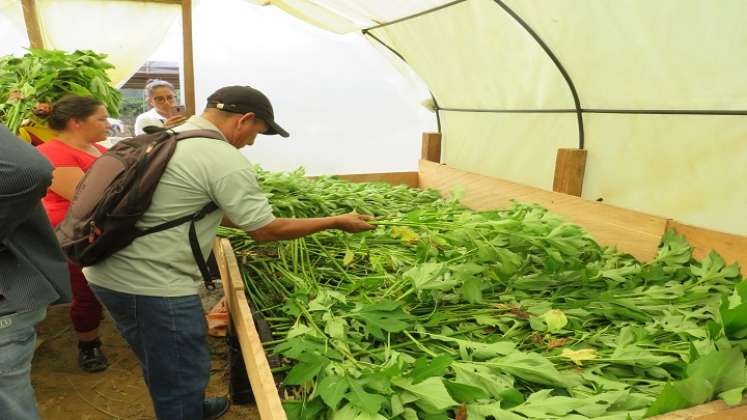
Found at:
<point>373,209</point>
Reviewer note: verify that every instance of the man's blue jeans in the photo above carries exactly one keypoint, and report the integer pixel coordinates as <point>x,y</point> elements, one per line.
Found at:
<point>17,338</point>
<point>169,338</point>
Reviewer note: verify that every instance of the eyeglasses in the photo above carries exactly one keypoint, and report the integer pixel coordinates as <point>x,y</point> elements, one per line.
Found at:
<point>162,99</point>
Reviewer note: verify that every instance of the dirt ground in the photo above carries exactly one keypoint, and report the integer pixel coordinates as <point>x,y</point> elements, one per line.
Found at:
<point>64,392</point>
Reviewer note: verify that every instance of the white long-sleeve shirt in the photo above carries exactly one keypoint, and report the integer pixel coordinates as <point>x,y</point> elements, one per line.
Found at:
<point>147,119</point>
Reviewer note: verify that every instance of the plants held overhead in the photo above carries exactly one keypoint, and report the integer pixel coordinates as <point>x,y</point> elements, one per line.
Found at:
<point>30,83</point>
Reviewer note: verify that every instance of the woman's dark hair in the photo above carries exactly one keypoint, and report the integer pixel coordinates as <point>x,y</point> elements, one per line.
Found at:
<point>71,107</point>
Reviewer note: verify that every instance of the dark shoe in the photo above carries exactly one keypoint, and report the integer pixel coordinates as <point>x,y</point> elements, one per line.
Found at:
<point>90,357</point>
<point>215,407</point>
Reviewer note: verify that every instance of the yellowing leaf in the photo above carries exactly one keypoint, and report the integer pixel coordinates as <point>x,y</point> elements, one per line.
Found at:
<point>555,320</point>
<point>348,258</point>
<point>406,234</point>
<point>578,356</point>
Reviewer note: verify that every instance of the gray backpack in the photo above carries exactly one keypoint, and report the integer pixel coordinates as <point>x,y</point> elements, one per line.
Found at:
<point>115,193</point>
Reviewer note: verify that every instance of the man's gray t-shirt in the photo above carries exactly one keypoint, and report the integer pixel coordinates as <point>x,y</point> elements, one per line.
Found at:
<point>201,170</point>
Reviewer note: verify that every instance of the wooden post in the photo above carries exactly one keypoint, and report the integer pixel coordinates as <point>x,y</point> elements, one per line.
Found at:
<point>32,23</point>
<point>188,90</point>
<point>431,149</point>
<point>570,165</point>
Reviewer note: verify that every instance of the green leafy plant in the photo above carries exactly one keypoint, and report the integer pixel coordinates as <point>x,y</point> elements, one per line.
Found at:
<point>514,313</point>
<point>30,83</point>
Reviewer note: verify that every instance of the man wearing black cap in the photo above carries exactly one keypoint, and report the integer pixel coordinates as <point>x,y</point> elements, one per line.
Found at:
<point>150,287</point>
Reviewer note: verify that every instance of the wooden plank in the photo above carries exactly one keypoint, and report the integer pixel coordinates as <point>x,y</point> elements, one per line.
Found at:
<point>235,283</point>
<point>257,366</point>
<point>394,178</point>
<point>220,259</point>
<point>31,17</point>
<point>157,1</point>
<point>188,57</point>
<point>733,248</point>
<point>715,410</point>
<point>629,231</point>
<point>431,147</point>
<point>570,165</point>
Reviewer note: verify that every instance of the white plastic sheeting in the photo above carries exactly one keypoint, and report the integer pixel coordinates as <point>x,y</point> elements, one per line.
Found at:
<point>343,16</point>
<point>346,108</point>
<point>13,38</point>
<point>633,55</point>
<point>519,147</point>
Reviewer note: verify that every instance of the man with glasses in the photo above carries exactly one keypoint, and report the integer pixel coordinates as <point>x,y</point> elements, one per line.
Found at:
<point>151,287</point>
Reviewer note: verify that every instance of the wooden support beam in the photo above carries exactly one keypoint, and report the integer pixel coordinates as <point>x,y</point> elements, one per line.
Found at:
<point>431,148</point>
<point>32,23</point>
<point>255,358</point>
<point>188,57</point>
<point>570,165</point>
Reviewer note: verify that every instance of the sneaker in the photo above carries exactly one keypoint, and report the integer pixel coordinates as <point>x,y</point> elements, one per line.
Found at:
<point>215,407</point>
<point>90,357</point>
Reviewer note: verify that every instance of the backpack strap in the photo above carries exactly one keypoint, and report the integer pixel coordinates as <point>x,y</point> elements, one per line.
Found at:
<point>194,244</point>
<point>188,134</point>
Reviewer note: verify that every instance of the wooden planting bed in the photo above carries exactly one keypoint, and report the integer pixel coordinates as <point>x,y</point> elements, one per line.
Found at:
<point>629,231</point>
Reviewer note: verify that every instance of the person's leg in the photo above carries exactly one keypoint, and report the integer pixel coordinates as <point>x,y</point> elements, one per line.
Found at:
<point>85,312</point>
<point>122,308</point>
<point>174,337</point>
<point>17,338</point>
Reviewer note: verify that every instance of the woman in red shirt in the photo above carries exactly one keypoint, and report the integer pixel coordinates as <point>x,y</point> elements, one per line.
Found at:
<point>81,122</point>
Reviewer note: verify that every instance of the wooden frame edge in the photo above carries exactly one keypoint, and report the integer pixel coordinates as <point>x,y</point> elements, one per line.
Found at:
<point>265,393</point>
<point>632,232</point>
<point>395,178</point>
<point>732,248</point>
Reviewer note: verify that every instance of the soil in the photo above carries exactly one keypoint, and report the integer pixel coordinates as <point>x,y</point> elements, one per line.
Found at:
<point>64,392</point>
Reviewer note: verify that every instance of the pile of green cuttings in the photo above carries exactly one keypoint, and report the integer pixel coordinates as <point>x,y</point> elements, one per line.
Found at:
<point>448,313</point>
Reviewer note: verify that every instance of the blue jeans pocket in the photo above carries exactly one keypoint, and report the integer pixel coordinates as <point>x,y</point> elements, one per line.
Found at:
<point>16,351</point>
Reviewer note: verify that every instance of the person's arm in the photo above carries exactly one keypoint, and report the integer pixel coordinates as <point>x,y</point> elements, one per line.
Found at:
<point>245,206</point>
<point>25,176</point>
<point>64,181</point>
<point>282,229</point>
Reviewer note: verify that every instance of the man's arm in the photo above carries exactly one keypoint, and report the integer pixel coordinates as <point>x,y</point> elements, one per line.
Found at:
<point>25,176</point>
<point>282,229</point>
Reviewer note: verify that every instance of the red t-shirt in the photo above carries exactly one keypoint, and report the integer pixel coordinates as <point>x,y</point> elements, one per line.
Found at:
<point>60,155</point>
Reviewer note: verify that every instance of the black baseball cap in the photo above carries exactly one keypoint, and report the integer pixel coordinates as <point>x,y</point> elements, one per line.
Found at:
<point>245,99</point>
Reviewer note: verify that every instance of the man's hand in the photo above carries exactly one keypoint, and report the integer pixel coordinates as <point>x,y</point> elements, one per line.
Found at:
<point>353,222</point>
<point>174,121</point>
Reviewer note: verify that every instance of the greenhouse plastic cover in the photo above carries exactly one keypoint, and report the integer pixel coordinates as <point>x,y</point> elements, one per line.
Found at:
<point>477,58</point>
<point>654,90</point>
